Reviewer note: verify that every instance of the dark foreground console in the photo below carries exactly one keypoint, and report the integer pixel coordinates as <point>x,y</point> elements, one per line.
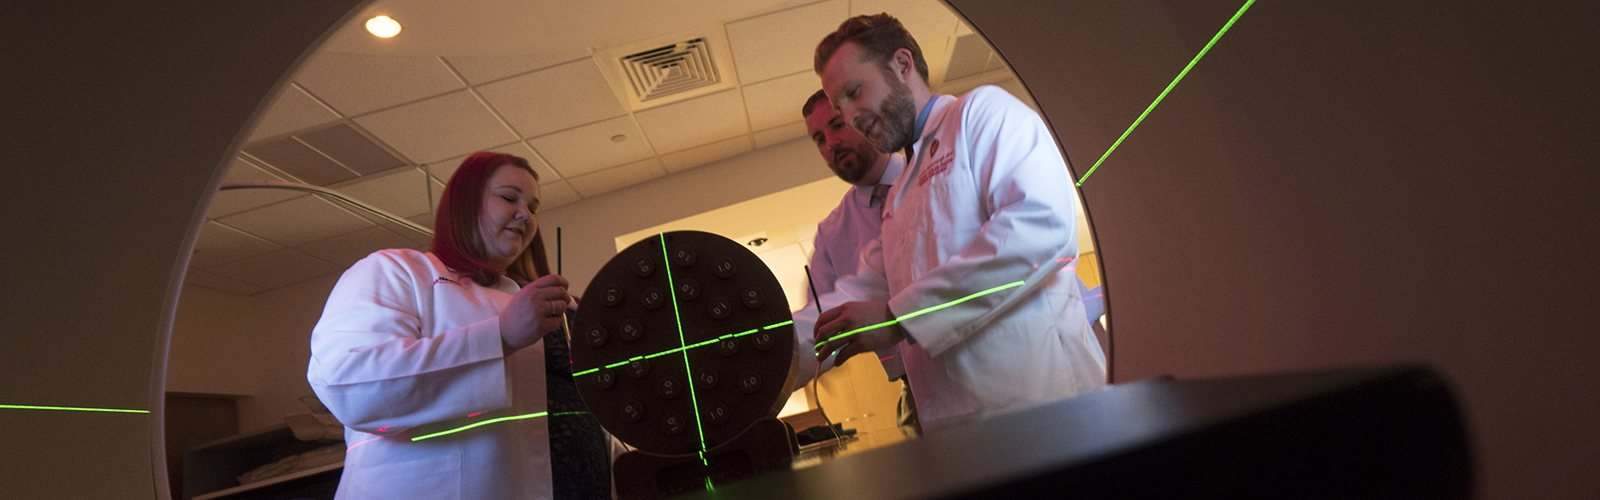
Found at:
<point>1390,432</point>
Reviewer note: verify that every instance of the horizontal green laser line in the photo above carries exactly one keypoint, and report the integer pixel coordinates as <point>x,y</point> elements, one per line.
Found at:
<point>496,420</point>
<point>1169,89</point>
<point>919,312</point>
<point>70,408</point>
<point>685,348</point>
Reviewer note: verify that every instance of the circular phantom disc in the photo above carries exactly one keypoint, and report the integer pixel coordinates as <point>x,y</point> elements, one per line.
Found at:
<point>672,330</point>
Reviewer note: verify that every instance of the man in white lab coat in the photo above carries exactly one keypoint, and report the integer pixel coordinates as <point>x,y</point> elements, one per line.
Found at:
<point>974,270</point>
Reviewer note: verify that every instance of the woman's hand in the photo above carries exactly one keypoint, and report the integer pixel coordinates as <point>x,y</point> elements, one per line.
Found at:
<point>536,309</point>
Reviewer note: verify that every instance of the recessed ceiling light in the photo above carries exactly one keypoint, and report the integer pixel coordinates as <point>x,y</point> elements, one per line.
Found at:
<point>383,26</point>
<point>619,138</point>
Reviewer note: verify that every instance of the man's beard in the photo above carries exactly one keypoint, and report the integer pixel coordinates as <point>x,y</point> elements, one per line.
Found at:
<point>853,164</point>
<point>899,116</point>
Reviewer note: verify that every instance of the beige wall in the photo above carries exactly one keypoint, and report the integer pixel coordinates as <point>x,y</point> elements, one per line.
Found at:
<point>256,347</point>
<point>590,226</point>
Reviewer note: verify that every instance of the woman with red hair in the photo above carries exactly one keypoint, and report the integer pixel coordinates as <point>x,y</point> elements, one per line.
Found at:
<point>449,368</point>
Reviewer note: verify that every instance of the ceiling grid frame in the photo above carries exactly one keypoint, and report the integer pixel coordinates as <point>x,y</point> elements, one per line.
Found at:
<point>768,136</point>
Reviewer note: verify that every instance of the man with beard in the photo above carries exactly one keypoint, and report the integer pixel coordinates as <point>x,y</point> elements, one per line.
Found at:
<point>840,237</point>
<point>972,275</point>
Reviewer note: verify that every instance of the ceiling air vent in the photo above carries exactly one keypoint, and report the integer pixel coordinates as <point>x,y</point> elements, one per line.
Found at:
<point>671,69</point>
<point>663,70</point>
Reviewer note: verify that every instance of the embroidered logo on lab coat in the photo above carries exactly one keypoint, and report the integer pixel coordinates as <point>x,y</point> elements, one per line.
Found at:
<point>936,164</point>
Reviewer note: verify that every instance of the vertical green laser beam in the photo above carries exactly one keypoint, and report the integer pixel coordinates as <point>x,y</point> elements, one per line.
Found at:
<point>69,408</point>
<point>1163,95</point>
<point>666,261</point>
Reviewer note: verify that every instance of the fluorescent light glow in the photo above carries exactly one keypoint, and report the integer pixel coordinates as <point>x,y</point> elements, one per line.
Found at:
<point>383,27</point>
<point>1163,95</point>
<point>919,312</point>
<point>70,408</point>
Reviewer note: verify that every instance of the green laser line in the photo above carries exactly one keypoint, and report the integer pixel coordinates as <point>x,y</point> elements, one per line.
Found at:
<point>685,348</point>
<point>919,312</point>
<point>709,487</point>
<point>496,420</point>
<point>1168,89</point>
<point>70,408</point>
<point>683,345</point>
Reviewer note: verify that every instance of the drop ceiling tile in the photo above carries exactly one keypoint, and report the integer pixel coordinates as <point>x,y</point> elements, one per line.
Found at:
<point>589,148</point>
<point>779,135</point>
<point>554,99</point>
<point>556,194</point>
<point>1015,88</point>
<point>403,193</point>
<point>297,222</point>
<point>347,146</point>
<point>419,240</point>
<point>478,70</point>
<point>208,280</point>
<point>422,220</point>
<point>359,83</point>
<point>937,53</point>
<point>292,110</point>
<point>778,101</point>
<point>435,191</point>
<point>346,249</point>
<point>238,200</point>
<point>297,159</point>
<point>442,127</point>
<point>442,170</point>
<point>996,63</point>
<point>782,42</point>
<point>219,244</point>
<point>967,58</point>
<point>695,122</point>
<point>694,157</point>
<point>617,177</point>
<point>927,21</point>
<point>277,269</point>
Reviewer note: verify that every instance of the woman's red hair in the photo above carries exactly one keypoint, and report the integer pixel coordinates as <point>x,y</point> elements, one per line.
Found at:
<point>455,227</point>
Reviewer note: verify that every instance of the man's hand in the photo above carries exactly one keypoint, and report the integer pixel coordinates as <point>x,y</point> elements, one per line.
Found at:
<point>848,317</point>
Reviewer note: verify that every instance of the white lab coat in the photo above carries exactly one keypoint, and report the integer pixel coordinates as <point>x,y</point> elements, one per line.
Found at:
<point>986,200</point>
<point>837,252</point>
<point>406,348</point>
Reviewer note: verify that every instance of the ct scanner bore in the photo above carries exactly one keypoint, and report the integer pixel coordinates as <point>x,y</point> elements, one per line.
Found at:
<point>1220,248</point>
